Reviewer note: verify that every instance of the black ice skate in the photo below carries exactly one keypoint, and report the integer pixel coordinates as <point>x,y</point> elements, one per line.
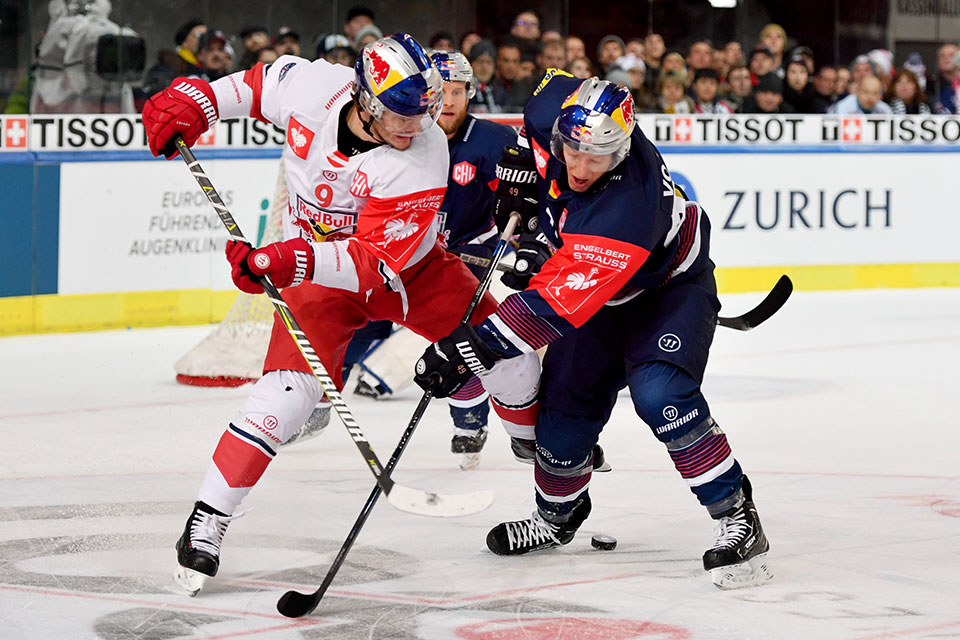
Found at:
<point>535,533</point>
<point>468,443</point>
<point>525,451</point>
<point>738,557</point>
<point>198,549</point>
<point>375,391</point>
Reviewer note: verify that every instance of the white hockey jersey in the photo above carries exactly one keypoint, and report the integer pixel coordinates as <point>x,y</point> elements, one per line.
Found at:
<point>370,215</point>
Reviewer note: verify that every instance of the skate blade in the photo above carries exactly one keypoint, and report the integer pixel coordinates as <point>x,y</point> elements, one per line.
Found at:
<point>603,468</point>
<point>751,573</point>
<point>469,461</point>
<point>189,580</point>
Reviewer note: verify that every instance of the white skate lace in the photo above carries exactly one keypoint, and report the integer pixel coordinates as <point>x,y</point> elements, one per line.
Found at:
<point>532,532</point>
<point>730,531</point>
<point>207,529</point>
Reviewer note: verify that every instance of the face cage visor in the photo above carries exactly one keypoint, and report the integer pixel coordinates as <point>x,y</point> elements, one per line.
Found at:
<point>616,149</point>
<point>407,125</point>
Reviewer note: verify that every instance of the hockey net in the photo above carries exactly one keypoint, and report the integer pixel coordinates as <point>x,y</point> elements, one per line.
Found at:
<point>233,353</point>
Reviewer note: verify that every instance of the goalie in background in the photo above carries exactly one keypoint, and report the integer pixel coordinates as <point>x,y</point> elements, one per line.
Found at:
<point>468,231</point>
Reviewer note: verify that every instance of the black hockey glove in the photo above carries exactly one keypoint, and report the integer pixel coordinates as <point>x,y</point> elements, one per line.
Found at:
<point>448,364</point>
<point>516,190</point>
<point>532,252</point>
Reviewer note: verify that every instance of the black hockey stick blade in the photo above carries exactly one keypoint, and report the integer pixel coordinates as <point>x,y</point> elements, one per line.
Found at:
<point>768,306</point>
<point>294,604</point>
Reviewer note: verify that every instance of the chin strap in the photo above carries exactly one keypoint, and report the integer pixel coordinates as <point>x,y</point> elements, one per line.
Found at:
<point>368,126</point>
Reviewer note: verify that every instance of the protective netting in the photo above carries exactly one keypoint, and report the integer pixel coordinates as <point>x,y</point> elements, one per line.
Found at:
<point>233,352</point>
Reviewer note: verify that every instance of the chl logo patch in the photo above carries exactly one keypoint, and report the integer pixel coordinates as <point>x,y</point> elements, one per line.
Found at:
<point>669,342</point>
<point>463,173</point>
<point>360,187</point>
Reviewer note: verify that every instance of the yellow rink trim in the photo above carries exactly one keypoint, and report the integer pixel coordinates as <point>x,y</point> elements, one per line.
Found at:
<point>55,313</point>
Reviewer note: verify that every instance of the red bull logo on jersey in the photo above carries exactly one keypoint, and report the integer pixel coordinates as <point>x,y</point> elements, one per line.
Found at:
<point>318,225</point>
<point>463,173</point>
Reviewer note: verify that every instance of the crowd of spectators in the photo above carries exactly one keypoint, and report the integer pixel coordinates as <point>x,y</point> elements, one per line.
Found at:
<point>766,76</point>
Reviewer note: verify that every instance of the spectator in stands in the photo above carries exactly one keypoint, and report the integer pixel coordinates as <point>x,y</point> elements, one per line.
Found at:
<point>768,96</point>
<point>774,39</point>
<point>867,99</point>
<point>212,57</point>
<point>526,28</point>
<point>914,62</point>
<point>229,55</point>
<point>635,46</point>
<point>509,82</point>
<point>706,82</point>
<point>761,63</point>
<point>326,42</point>
<point>859,69</point>
<point>173,64</point>
<point>950,93</point>
<point>798,92</point>
<point>945,55</point>
<point>365,35</point>
<point>700,56</point>
<point>357,18</point>
<point>740,87</point>
<point>553,55</point>
<point>733,53</point>
<point>550,34</point>
<point>719,64</point>
<point>344,55</point>
<point>254,38</point>
<point>287,41</point>
<point>610,48</point>
<point>905,94</point>
<point>825,85</point>
<point>881,61</point>
<point>267,55</point>
<point>843,82</point>
<point>673,62</point>
<point>469,39</point>
<point>618,76</point>
<point>672,92</point>
<point>653,50</point>
<point>488,98</point>
<point>807,54</point>
<point>581,67</point>
<point>575,48</point>
<point>442,41</point>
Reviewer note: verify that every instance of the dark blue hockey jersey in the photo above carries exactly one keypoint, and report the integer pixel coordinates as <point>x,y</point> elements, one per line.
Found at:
<point>630,232</point>
<point>466,213</point>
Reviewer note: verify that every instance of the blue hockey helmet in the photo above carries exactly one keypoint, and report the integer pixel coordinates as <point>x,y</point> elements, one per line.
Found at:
<point>597,119</point>
<point>454,67</point>
<point>395,75</point>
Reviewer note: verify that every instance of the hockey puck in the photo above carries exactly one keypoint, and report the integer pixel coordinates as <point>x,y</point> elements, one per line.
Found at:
<point>605,543</point>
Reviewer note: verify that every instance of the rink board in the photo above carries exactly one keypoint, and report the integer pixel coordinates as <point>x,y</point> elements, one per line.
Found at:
<point>115,238</point>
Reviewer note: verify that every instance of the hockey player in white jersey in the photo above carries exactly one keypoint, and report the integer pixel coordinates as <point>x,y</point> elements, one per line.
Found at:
<point>366,171</point>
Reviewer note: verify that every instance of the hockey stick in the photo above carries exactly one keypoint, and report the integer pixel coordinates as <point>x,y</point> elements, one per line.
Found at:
<point>404,498</point>
<point>767,307</point>
<point>294,604</point>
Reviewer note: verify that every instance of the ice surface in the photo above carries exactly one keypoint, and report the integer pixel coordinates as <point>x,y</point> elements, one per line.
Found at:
<point>840,408</point>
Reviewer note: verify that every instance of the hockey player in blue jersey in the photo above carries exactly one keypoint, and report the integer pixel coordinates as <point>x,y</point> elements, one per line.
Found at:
<point>627,299</point>
<point>468,230</point>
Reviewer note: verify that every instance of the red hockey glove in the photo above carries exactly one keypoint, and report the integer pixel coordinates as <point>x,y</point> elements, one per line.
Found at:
<point>287,263</point>
<point>245,280</point>
<point>188,107</point>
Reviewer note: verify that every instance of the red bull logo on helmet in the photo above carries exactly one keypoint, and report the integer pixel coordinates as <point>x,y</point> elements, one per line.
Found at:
<point>378,68</point>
